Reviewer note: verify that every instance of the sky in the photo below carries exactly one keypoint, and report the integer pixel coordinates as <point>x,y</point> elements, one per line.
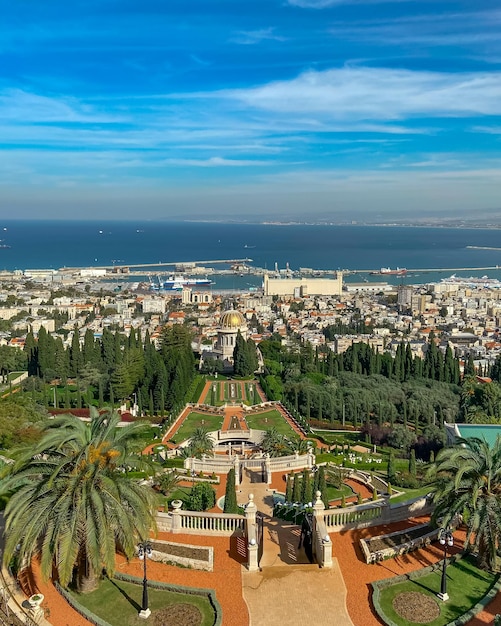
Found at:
<point>266,110</point>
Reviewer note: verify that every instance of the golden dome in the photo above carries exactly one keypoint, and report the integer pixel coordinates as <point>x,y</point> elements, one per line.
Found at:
<point>232,319</point>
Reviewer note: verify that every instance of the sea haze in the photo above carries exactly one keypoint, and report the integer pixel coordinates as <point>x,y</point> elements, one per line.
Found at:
<point>55,244</point>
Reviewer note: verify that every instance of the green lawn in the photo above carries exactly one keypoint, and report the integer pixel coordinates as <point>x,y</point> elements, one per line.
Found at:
<point>466,585</point>
<point>334,493</point>
<point>409,494</point>
<point>197,420</point>
<point>119,602</point>
<point>268,420</point>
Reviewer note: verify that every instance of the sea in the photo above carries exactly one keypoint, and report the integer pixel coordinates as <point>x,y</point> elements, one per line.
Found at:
<point>58,244</point>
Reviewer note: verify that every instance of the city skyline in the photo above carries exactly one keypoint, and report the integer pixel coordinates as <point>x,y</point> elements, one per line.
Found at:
<point>276,109</point>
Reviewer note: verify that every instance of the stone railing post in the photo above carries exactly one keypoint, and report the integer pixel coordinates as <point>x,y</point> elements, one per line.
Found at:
<point>252,538</point>
<point>237,471</point>
<point>321,540</point>
<point>176,516</point>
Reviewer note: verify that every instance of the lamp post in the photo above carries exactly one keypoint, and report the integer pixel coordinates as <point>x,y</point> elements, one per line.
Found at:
<point>446,539</point>
<point>143,552</point>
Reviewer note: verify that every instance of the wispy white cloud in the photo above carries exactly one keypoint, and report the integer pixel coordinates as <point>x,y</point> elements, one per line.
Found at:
<point>472,29</point>
<point>489,130</point>
<point>23,106</point>
<point>216,162</point>
<point>360,93</point>
<point>325,4</point>
<point>251,37</point>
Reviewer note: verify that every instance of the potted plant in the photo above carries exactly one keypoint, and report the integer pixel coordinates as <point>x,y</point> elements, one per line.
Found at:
<point>36,600</point>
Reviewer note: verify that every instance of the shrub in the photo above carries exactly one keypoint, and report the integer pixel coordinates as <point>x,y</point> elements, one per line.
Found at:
<point>201,498</point>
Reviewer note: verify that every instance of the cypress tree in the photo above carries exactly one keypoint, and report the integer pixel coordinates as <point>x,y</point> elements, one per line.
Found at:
<point>296,488</point>
<point>306,495</point>
<point>316,477</point>
<point>412,462</point>
<point>288,491</point>
<point>75,354</point>
<point>322,486</point>
<point>230,496</point>
<point>391,466</point>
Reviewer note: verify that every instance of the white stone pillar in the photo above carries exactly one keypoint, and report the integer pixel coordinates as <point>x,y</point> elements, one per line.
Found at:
<point>176,516</point>
<point>321,540</point>
<point>252,539</point>
<point>237,470</point>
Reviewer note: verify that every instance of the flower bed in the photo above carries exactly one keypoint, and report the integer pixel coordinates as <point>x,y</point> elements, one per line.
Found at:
<point>185,555</point>
<point>394,544</point>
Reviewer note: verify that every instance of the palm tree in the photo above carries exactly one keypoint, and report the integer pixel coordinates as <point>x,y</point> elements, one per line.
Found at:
<point>73,503</point>
<point>468,482</point>
<point>167,482</point>
<point>200,443</point>
<point>275,444</point>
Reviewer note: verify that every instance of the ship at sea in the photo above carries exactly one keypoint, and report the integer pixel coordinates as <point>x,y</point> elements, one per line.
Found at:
<point>387,271</point>
<point>178,283</point>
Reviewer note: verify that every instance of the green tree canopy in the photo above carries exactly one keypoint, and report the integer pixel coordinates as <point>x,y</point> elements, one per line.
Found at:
<point>72,501</point>
<point>468,483</point>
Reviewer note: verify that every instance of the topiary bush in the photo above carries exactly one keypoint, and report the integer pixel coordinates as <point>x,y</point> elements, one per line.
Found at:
<point>201,498</point>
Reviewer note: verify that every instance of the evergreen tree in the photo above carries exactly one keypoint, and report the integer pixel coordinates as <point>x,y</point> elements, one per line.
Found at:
<point>306,495</point>
<point>230,496</point>
<point>412,462</point>
<point>288,491</point>
<point>75,354</point>
<point>296,488</point>
<point>31,351</point>
<point>469,367</point>
<point>108,350</point>
<point>390,473</point>
<point>322,486</point>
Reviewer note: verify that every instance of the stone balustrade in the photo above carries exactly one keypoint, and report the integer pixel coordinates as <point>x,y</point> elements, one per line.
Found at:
<point>376,513</point>
<point>196,523</point>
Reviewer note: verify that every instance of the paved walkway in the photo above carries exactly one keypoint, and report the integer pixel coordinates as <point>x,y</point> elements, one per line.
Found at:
<point>288,589</point>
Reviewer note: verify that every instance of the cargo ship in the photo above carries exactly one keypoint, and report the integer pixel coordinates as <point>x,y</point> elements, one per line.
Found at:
<point>387,271</point>
<point>177,283</point>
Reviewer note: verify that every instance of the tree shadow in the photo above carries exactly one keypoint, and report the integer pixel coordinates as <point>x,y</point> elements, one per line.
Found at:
<point>130,600</point>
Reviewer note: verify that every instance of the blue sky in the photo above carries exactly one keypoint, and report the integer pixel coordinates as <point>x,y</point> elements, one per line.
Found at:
<point>271,109</point>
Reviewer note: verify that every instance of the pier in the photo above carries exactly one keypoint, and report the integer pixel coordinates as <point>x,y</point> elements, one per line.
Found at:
<point>430,270</point>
